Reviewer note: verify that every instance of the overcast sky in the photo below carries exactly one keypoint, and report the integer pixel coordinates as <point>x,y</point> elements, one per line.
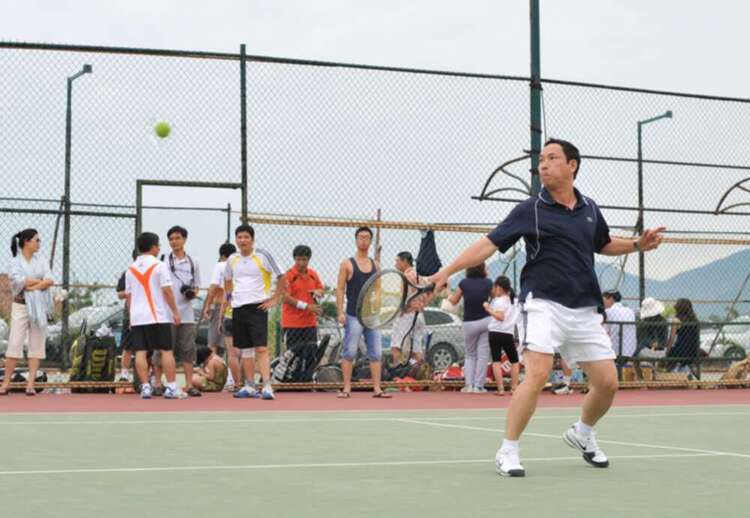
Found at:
<point>665,44</point>
<point>399,119</point>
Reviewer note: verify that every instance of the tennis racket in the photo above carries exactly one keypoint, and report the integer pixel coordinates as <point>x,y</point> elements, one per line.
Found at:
<point>385,295</point>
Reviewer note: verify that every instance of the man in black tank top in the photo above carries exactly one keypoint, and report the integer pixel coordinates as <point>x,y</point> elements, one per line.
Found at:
<point>353,273</point>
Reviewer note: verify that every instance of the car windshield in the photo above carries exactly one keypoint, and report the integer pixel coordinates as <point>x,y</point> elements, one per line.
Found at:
<point>94,315</point>
<point>76,318</point>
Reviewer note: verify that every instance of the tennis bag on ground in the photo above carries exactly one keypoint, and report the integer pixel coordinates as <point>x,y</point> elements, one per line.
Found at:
<point>93,359</point>
<point>297,365</point>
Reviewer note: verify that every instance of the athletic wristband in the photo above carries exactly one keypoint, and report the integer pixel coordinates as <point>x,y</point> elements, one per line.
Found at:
<point>301,305</point>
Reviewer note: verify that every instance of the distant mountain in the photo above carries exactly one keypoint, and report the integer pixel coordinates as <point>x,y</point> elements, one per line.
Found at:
<point>718,280</point>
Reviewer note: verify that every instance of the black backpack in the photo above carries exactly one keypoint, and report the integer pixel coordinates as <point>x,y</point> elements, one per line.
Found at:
<point>428,261</point>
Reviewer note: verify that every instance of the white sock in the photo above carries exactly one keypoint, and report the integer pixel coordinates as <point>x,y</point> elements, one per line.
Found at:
<point>583,428</point>
<point>509,445</point>
<point>144,385</point>
<point>267,386</point>
<point>566,380</point>
<point>124,373</point>
<point>172,386</point>
<point>249,384</point>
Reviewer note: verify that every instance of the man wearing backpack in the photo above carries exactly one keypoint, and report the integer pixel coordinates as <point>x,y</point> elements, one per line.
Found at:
<point>185,274</point>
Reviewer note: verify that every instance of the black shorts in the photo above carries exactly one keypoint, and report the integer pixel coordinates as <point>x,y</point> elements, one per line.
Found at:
<point>300,336</point>
<point>126,339</point>
<point>249,326</point>
<point>152,337</point>
<point>500,342</point>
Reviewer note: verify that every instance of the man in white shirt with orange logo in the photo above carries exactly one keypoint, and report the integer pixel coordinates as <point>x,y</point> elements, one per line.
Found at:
<point>153,311</point>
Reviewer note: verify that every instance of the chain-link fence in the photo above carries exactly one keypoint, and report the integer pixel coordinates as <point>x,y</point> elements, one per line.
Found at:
<point>321,148</point>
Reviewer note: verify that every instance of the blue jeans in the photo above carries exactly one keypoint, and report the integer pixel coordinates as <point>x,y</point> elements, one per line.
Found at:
<point>353,331</point>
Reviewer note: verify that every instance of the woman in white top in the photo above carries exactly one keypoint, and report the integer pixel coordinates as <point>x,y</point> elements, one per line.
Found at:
<point>30,280</point>
<point>504,313</point>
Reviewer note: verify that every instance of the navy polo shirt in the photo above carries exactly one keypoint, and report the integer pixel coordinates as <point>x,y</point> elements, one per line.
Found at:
<point>560,247</point>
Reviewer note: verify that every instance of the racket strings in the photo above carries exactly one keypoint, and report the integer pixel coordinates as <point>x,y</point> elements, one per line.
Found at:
<point>382,300</point>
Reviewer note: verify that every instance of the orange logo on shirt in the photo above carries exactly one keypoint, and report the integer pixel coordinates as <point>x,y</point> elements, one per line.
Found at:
<point>144,279</point>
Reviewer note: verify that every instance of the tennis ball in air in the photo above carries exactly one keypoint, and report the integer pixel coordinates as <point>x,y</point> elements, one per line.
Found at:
<point>162,129</point>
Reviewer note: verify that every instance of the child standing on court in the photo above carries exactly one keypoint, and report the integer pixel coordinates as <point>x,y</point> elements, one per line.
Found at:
<point>504,314</point>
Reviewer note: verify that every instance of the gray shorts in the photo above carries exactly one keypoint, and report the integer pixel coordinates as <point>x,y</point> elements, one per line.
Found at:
<point>215,336</point>
<point>183,345</point>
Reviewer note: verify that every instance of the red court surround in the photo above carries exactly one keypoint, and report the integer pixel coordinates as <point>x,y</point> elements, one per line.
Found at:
<point>326,401</point>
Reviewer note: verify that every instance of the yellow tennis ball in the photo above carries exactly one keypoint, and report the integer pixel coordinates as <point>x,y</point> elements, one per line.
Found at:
<point>162,129</point>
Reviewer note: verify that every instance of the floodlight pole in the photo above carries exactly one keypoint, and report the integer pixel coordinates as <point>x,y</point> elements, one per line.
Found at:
<point>87,69</point>
<point>535,123</point>
<point>639,224</point>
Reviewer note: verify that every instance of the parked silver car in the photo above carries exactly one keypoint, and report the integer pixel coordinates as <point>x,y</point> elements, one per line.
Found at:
<point>446,338</point>
<point>732,342</point>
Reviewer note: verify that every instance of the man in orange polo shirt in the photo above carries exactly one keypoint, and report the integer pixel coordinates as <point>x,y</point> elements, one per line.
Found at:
<point>299,315</point>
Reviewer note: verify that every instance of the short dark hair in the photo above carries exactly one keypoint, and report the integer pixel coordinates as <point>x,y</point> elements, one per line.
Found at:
<point>245,228</point>
<point>202,354</point>
<point>227,249</point>
<point>302,251</point>
<point>363,229</point>
<point>177,228</point>
<point>146,241</point>
<point>569,150</point>
<point>135,254</point>
<point>406,257</point>
<point>477,271</point>
<point>613,294</point>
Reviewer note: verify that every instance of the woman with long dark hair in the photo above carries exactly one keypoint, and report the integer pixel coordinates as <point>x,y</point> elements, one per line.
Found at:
<point>30,280</point>
<point>475,289</point>
<point>684,340</point>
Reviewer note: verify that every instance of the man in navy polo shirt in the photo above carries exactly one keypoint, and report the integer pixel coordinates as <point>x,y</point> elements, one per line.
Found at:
<point>560,297</point>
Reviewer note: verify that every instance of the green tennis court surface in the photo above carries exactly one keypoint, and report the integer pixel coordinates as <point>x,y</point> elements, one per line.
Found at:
<point>666,461</point>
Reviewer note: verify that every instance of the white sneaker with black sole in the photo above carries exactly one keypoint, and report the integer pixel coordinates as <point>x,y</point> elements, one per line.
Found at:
<point>508,464</point>
<point>587,446</point>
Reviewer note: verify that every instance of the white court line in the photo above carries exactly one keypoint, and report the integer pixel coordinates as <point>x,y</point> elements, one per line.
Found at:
<point>603,441</point>
<point>241,409</point>
<point>345,419</point>
<point>319,465</point>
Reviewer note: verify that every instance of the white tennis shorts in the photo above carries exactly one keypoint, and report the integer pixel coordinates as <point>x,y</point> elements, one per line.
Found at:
<point>577,333</point>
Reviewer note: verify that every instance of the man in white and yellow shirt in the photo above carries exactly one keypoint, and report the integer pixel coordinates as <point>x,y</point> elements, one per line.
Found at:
<point>248,277</point>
